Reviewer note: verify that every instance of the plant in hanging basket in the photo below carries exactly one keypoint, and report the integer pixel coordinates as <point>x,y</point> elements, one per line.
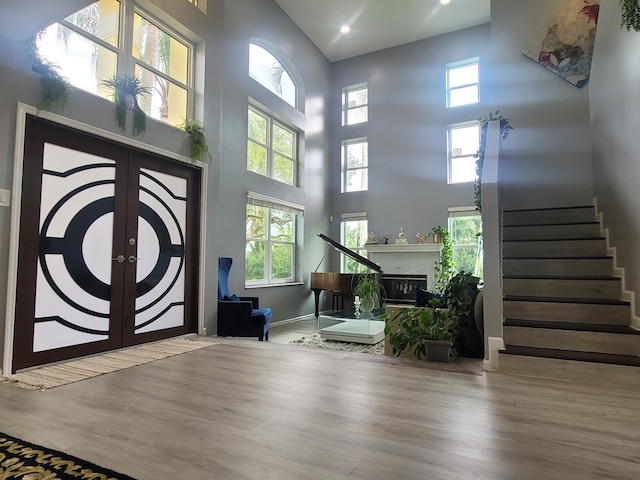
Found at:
<point>199,147</point>
<point>55,87</point>
<point>125,91</point>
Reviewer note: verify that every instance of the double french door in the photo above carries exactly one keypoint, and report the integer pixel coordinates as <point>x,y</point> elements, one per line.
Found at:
<point>108,250</point>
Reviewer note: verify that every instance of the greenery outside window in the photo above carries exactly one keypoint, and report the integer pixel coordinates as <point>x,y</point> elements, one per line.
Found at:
<point>355,104</point>
<point>465,229</point>
<point>271,147</point>
<point>269,72</point>
<point>462,147</point>
<point>113,37</point>
<point>462,83</point>
<point>353,235</point>
<point>355,165</point>
<point>270,249</point>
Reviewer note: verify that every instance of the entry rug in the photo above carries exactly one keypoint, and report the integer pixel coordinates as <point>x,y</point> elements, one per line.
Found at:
<point>26,461</point>
<point>316,341</point>
<point>89,367</point>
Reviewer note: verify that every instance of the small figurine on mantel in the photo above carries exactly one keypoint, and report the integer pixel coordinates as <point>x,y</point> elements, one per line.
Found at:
<point>422,239</point>
<point>402,238</point>
<point>372,239</point>
<point>386,237</point>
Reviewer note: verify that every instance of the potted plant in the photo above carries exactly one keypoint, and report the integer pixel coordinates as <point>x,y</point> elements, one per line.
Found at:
<point>369,291</point>
<point>428,332</point>
<point>126,90</point>
<point>55,87</point>
<point>459,296</point>
<point>199,146</point>
<point>443,267</point>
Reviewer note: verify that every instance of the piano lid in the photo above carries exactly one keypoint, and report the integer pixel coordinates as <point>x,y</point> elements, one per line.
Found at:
<point>350,253</point>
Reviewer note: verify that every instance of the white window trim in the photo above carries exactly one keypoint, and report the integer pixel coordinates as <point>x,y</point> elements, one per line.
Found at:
<point>345,170</point>
<point>359,249</point>
<point>450,155</point>
<point>345,107</point>
<point>459,64</point>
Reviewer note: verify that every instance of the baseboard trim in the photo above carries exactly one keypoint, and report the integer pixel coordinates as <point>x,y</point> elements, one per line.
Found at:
<point>494,345</point>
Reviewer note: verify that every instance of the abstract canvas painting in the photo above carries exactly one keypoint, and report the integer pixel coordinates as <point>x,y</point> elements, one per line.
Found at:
<point>565,46</point>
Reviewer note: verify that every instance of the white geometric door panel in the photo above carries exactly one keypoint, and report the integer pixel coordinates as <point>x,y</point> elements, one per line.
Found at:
<point>73,282</point>
<point>160,272</point>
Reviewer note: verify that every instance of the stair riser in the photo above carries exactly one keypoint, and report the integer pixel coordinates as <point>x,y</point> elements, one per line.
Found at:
<point>567,312</point>
<point>564,248</point>
<point>549,232</point>
<point>616,376</point>
<point>600,342</point>
<point>558,267</point>
<point>520,287</point>
<point>546,217</point>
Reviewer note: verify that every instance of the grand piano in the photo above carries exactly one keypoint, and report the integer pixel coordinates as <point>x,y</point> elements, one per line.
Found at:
<point>398,288</point>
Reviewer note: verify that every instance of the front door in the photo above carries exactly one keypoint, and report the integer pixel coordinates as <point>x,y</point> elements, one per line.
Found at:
<point>108,249</point>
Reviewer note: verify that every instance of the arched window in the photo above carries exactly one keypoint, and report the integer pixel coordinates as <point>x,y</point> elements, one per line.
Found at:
<point>271,74</point>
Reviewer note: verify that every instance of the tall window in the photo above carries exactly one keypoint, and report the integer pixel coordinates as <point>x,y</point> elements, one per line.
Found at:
<point>270,249</point>
<point>353,235</point>
<point>355,104</point>
<point>114,37</point>
<point>463,140</point>
<point>462,83</point>
<point>271,74</point>
<point>465,229</point>
<point>271,148</point>
<point>355,165</point>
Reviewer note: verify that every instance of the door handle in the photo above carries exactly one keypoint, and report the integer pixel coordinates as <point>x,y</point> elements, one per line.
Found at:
<point>119,259</point>
<point>133,258</point>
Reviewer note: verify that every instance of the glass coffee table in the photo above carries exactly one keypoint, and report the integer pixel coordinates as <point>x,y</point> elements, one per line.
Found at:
<point>368,328</point>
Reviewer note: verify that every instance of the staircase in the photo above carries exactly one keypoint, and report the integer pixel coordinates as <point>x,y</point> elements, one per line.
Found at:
<point>563,313</point>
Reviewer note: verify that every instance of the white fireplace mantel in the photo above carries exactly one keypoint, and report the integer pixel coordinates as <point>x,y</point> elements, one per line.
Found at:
<point>408,248</point>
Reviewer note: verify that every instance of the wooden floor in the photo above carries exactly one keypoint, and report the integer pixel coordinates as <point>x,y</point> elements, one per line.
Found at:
<point>243,409</point>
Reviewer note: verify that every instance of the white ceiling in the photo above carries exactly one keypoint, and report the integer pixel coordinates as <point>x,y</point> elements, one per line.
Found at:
<point>380,24</point>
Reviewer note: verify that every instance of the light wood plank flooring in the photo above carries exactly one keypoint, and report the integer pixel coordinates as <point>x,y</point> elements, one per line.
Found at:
<point>244,409</point>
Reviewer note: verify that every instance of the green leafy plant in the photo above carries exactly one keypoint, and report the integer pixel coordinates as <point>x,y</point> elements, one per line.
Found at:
<point>443,267</point>
<point>55,87</point>
<point>505,129</point>
<point>199,146</point>
<point>459,297</point>
<point>126,90</point>
<point>369,290</point>
<point>413,326</point>
<point>630,14</point>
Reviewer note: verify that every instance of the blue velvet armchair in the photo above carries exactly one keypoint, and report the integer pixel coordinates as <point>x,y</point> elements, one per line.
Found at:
<point>239,316</point>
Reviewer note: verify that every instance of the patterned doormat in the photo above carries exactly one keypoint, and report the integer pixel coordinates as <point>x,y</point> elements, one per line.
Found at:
<point>69,372</point>
<point>27,461</point>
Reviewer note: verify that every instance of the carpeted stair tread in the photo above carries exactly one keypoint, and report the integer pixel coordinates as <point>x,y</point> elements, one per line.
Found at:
<point>573,355</point>
<point>582,327</point>
<point>585,301</point>
<point>560,277</point>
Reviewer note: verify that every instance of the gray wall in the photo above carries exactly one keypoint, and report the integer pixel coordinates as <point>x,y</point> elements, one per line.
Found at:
<point>547,158</point>
<point>406,133</point>
<point>615,116</point>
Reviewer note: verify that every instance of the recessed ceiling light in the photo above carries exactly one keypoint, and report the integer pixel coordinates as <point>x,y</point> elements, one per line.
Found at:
<point>345,28</point>
<point>444,2</point>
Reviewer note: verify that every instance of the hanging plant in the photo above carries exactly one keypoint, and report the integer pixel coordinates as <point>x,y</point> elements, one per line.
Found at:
<point>630,14</point>
<point>505,129</point>
<point>443,268</point>
<point>55,87</point>
<point>199,146</point>
<point>126,89</point>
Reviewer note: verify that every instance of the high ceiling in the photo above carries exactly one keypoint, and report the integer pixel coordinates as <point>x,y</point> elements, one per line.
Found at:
<point>379,24</point>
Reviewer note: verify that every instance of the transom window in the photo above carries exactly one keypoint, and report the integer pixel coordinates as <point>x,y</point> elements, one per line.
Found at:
<point>355,165</point>
<point>269,72</point>
<point>90,46</point>
<point>465,229</point>
<point>463,140</point>
<point>355,104</point>
<point>271,147</point>
<point>270,250</point>
<point>353,235</point>
<point>462,83</point>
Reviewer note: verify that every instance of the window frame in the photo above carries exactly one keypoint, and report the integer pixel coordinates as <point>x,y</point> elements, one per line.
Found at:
<point>450,151</point>
<point>345,106</point>
<point>125,61</point>
<point>344,163</point>
<point>457,65</point>
<point>359,249</point>
<point>297,212</point>
<point>466,212</point>
<point>271,121</point>
<point>285,68</point>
